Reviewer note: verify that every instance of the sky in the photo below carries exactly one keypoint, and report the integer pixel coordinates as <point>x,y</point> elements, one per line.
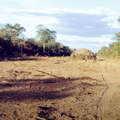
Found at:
<point>79,23</point>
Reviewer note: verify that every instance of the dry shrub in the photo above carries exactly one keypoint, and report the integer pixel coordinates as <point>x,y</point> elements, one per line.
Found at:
<point>83,54</point>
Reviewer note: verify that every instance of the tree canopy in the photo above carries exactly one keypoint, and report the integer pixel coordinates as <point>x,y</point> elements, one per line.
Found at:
<point>10,32</point>
<point>113,50</point>
<point>46,35</point>
<point>12,44</point>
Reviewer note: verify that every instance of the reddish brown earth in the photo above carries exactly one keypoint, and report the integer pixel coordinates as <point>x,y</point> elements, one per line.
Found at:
<point>59,88</point>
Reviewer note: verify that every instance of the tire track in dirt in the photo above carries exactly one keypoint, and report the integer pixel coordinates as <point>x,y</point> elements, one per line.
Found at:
<point>108,107</point>
<point>99,110</point>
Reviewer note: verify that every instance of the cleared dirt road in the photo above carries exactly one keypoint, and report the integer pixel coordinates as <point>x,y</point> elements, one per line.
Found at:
<point>109,107</point>
<point>59,89</point>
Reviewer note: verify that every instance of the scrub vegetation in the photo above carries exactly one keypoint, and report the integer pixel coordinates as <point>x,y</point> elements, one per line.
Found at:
<point>14,44</point>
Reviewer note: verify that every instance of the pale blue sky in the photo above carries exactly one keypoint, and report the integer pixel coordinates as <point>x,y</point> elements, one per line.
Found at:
<point>79,23</point>
<point>83,4</point>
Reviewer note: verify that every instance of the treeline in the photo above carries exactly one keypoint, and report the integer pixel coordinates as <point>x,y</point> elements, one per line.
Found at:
<point>14,44</point>
<point>113,50</point>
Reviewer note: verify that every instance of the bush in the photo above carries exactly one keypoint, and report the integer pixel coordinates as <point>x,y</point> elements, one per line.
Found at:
<point>110,52</point>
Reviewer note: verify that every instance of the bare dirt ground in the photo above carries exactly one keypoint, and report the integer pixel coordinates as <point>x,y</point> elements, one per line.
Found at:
<point>110,104</point>
<point>59,88</point>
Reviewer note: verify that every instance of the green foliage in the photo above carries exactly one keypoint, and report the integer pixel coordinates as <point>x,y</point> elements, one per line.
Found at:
<point>117,44</point>
<point>11,32</point>
<point>7,49</point>
<point>13,45</point>
<point>53,48</point>
<point>104,52</point>
<point>117,37</point>
<point>46,35</point>
<point>113,50</point>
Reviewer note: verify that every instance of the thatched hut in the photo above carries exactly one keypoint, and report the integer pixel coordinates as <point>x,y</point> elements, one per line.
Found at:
<point>83,54</point>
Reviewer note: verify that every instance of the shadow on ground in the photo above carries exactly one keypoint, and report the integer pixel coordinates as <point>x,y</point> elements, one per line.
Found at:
<point>42,89</point>
<point>22,59</point>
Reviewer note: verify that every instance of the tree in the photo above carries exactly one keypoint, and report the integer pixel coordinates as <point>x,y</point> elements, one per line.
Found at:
<point>46,35</point>
<point>117,45</point>
<point>11,32</point>
<point>7,49</point>
<point>12,45</point>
